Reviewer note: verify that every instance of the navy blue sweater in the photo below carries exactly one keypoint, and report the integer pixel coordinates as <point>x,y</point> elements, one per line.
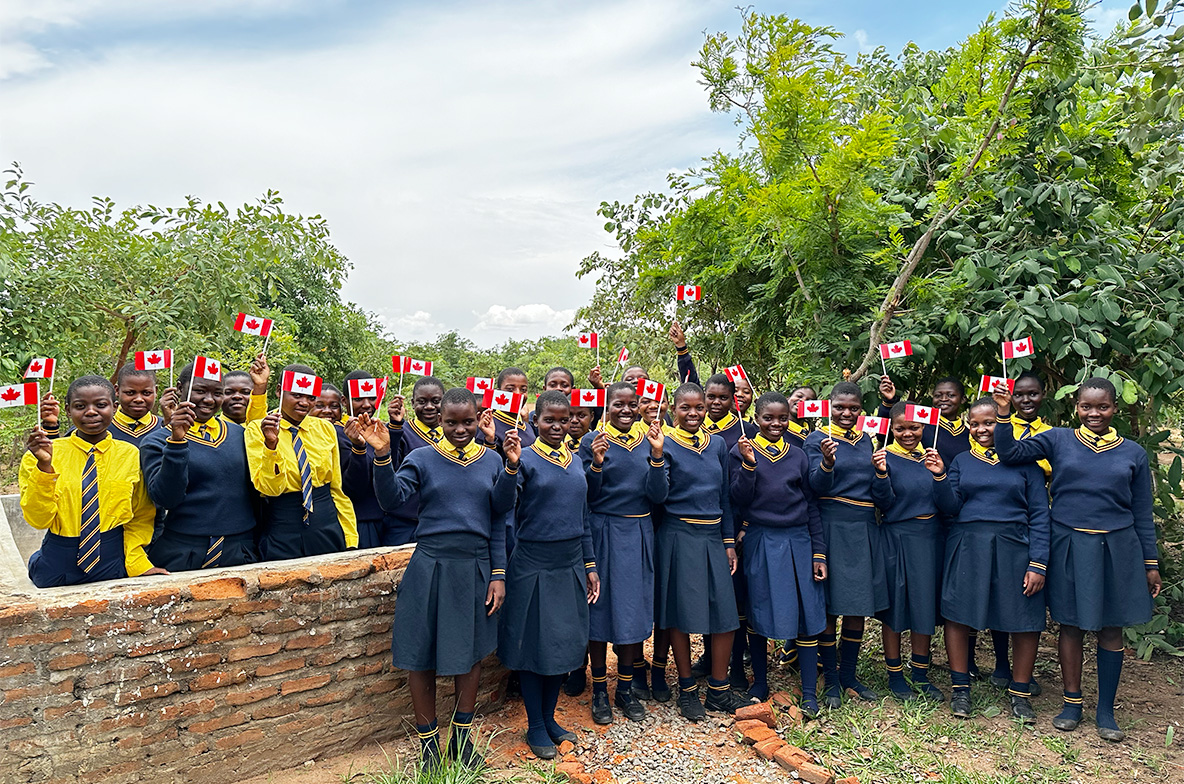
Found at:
<point>699,485</point>
<point>502,424</point>
<point>775,491</point>
<point>979,488</point>
<point>205,486</point>
<point>405,439</point>
<point>552,499</point>
<point>628,483</point>
<point>906,492</point>
<point>850,480</point>
<point>1094,489</point>
<point>454,496</point>
<point>952,438</point>
<point>795,433</point>
<point>357,477</point>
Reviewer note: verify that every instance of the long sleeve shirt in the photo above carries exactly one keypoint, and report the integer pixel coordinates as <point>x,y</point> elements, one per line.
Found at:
<point>700,489</point>
<point>953,438</point>
<point>275,472</point>
<point>552,499</point>
<point>906,491</point>
<point>849,480</point>
<point>466,492</point>
<point>1099,483</point>
<point>775,490</point>
<point>53,501</point>
<point>629,481</point>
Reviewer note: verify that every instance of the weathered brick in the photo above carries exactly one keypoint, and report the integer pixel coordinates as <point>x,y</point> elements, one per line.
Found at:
<point>302,725</point>
<point>217,679</point>
<point>384,686</point>
<point>69,661</point>
<point>118,723</point>
<point>18,614</point>
<point>328,698</point>
<point>195,662</point>
<point>246,608</point>
<point>304,684</point>
<point>57,713</point>
<point>16,721</point>
<point>148,693</point>
<point>241,739</point>
<point>88,607</point>
<point>767,748</point>
<point>223,588</point>
<point>312,640</point>
<point>349,612</point>
<point>359,671</point>
<point>115,629</point>
<point>196,615</point>
<point>275,710</point>
<point>329,658</point>
<point>265,670</point>
<point>280,626</point>
<point>815,774</point>
<point>185,710</point>
<point>181,638</point>
<point>253,651</point>
<point>379,647</point>
<point>154,597</point>
<point>12,670</point>
<point>237,698</point>
<point>351,570</point>
<point>316,597</point>
<point>220,723</point>
<point>219,635</point>
<point>37,691</point>
<point>125,673</point>
<point>273,580</point>
<point>40,638</point>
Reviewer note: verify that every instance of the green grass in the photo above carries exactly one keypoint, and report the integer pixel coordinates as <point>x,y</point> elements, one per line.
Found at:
<point>407,770</point>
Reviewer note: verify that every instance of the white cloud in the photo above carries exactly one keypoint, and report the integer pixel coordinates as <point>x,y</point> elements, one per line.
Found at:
<point>537,319</point>
<point>862,40</point>
<point>1104,17</point>
<point>403,326</point>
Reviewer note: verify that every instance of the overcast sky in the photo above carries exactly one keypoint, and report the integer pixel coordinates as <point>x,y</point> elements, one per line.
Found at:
<point>459,149</point>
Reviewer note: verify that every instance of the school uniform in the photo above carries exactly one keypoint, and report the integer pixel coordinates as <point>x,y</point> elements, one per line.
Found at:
<point>999,531</point>
<point>544,622</point>
<point>307,512</point>
<point>621,492</point>
<point>504,423</point>
<point>912,540</point>
<point>407,436</point>
<point>94,508</point>
<point>729,428</point>
<point>687,373</point>
<point>376,527</point>
<point>256,407</point>
<point>795,433</point>
<point>204,484</point>
<point>134,431</point>
<point>1022,429</point>
<point>857,583</point>
<point>782,540</point>
<point>441,622</point>
<point>692,583</point>
<point>1103,531</point>
<point>953,438</point>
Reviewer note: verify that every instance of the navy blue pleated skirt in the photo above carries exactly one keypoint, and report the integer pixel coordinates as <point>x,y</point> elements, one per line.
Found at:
<point>1097,580</point>
<point>784,601</point>
<point>857,580</point>
<point>692,583</point>
<point>544,622</point>
<point>180,552</point>
<point>56,563</point>
<point>913,551</point>
<point>983,578</point>
<point>624,548</point>
<point>441,621</point>
<point>387,531</point>
<point>290,535</point>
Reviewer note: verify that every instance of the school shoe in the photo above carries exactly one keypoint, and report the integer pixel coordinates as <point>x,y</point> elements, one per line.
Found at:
<point>565,735</point>
<point>662,691</point>
<point>975,673</point>
<point>738,680</point>
<point>701,668</point>
<point>1021,708</point>
<point>430,759</point>
<point>832,697</point>
<point>602,712</point>
<point>690,706</point>
<point>725,700</point>
<point>642,692</point>
<point>857,689</point>
<point>960,704</point>
<point>1111,734</point>
<point>628,705</point>
<point>928,691</point>
<point>810,708</point>
<point>788,660</point>
<point>577,681</point>
<point>543,752</point>
<point>1065,724</point>
<point>466,755</point>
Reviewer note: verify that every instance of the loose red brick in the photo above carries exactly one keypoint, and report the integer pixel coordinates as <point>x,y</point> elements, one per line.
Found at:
<point>848,780</point>
<point>88,607</point>
<point>280,626</point>
<point>571,767</point>
<point>220,635</point>
<point>237,698</point>
<point>220,723</point>
<point>265,670</point>
<point>755,735</point>
<point>815,774</point>
<point>239,740</point>
<point>222,588</point>
<point>760,712</point>
<point>602,776</point>
<point>790,757</point>
<point>154,597</point>
<point>115,629</point>
<point>351,570</point>
<point>61,635</point>
<point>148,693</point>
<point>186,710</point>
<point>18,614</point>
<point>217,679</point>
<point>196,662</point>
<point>304,684</point>
<point>747,724</point>
<point>389,562</point>
<point>274,711</point>
<point>246,608</point>
<point>253,651</point>
<point>767,748</point>
<point>313,640</point>
<point>12,670</point>
<point>791,716</point>
<point>273,580</point>
<point>328,699</point>
<point>68,661</point>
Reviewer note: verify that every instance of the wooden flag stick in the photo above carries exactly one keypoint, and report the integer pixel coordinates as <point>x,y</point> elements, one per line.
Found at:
<point>884,363</point>
<point>267,340</point>
<point>189,394</point>
<point>39,406</point>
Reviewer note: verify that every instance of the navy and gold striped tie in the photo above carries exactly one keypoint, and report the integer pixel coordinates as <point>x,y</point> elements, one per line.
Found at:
<point>434,435</point>
<point>214,554</point>
<point>88,532</point>
<point>204,431</point>
<point>305,473</point>
<point>1027,431</point>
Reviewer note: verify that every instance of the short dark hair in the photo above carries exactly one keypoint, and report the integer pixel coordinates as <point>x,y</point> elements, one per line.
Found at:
<point>984,402</point>
<point>769,398</point>
<point>689,388</point>
<point>845,388</point>
<point>1032,375</point>
<point>354,374</point>
<point>428,381</point>
<point>327,387</point>
<point>1103,384</point>
<point>232,374</point>
<point>129,371</point>
<point>510,371</point>
<point>619,386</point>
<point>951,380</point>
<point>298,369</point>
<point>560,369</point>
<point>897,409</point>
<point>721,379</point>
<point>87,382</point>
<point>636,367</point>
<point>457,396</point>
<point>803,386</point>
<point>552,397</point>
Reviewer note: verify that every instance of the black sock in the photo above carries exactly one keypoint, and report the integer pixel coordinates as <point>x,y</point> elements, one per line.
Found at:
<point>1002,644</point>
<point>429,739</point>
<point>532,700</point>
<point>807,648</point>
<point>462,728</point>
<point>760,660</point>
<point>552,685</point>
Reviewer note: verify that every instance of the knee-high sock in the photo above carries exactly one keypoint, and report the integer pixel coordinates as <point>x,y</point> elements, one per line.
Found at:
<point>1001,641</point>
<point>808,650</point>
<point>849,658</point>
<point>533,697</point>
<point>1109,673</point>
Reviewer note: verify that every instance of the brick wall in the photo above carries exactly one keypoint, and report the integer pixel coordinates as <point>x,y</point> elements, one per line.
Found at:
<point>232,674</point>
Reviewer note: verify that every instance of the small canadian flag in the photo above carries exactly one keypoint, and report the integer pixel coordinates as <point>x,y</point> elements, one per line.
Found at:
<point>735,373</point>
<point>1013,349</point>
<point>994,383</point>
<point>478,385</point>
<point>650,390</point>
<point>204,367</point>
<point>253,325</point>
<point>871,424</point>
<point>689,293</point>
<point>19,395</point>
<point>623,356</point>
<point>40,367</point>
<point>926,415</point>
<point>893,350</point>
<point>587,398</point>
<point>810,409</point>
<point>363,387</point>
<point>154,360</point>
<point>418,367</point>
<point>589,340</point>
<point>301,383</point>
<point>501,400</point>
<point>380,384</point>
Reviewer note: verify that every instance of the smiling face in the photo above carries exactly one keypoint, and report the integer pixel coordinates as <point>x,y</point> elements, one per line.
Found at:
<point>906,432</point>
<point>206,396</point>
<point>635,374</point>
<point>552,422</point>
<point>845,410</point>
<point>137,395</point>
<point>719,401</point>
<point>459,422</point>
<point>798,395</point>
<point>948,398</point>
<point>296,406</point>
<point>1095,409</point>
<point>328,406</point>
<point>622,409</point>
<point>649,411</point>
<point>557,379</point>
<point>689,412</point>
<point>91,410</point>
<point>772,420</point>
<point>981,423</point>
<point>425,402</point>
<point>743,396</point>
<point>236,396</point>
<point>1027,398</point>
<point>580,422</point>
<point>362,405</point>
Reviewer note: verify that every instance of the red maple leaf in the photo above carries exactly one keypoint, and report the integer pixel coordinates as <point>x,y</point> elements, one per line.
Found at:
<point>501,400</point>
<point>417,366</point>
<point>923,412</point>
<point>252,324</point>
<point>589,396</point>
<point>650,388</point>
<point>152,360</point>
<point>303,382</point>
<point>583,338</point>
<point>366,387</point>
<point>10,394</point>
<point>482,384</point>
<point>812,407</point>
<point>212,367</point>
<point>35,367</point>
<point>897,348</point>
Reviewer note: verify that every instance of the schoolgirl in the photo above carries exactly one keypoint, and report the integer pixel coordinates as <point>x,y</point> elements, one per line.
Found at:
<point>784,553</point>
<point>626,474</point>
<point>493,434</point>
<point>552,575</point>
<point>424,430</point>
<point>197,472</point>
<point>237,388</point>
<point>1103,570</point>
<point>904,491</point>
<point>996,555</point>
<point>841,475</point>
<point>445,622</point>
<point>797,429</point>
<point>86,492</point>
<point>295,462</point>
<point>136,393</point>
<point>696,554</point>
<point>328,404</point>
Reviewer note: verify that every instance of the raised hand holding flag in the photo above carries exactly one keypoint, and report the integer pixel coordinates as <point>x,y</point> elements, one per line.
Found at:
<point>255,325</point>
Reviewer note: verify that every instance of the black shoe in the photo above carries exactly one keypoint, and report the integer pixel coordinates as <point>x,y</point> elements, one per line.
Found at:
<point>928,691</point>
<point>903,693</point>
<point>975,673</point>
<point>1021,708</point>
<point>725,700</point>
<point>466,755</point>
<point>788,660</point>
<point>430,758</point>
<point>642,692</point>
<point>738,680</point>
<point>690,707</point>
<point>810,708</point>
<point>1111,734</point>
<point>701,668</point>
<point>1034,689</point>
<point>577,681</point>
<point>565,735</point>
<point>1000,679</point>
<point>628,704</point>
<point>960,704</point>
<point>543,752</point>
<point>1065,724</point>
<point>862,692</point>
<point>661,691</point>
<point>602,712</point>
<point>832,697</point>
